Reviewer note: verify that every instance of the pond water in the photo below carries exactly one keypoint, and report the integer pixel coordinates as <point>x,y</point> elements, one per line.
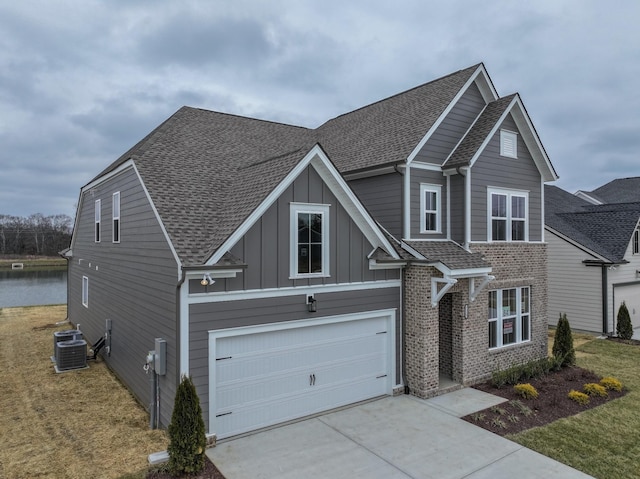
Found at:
<point>32,288</point>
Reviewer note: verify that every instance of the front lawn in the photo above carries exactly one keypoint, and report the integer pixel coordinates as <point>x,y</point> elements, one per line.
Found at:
<point>603,442</point>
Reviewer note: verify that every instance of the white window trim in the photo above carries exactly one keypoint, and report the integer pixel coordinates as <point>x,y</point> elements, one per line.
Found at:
<point>437,189</point>
<point>506,137</point>
<point>312,208</point>
<point>85,291</point>
<point>97,227</point>
<point>517,319</point>
<point>509,194</point>
<point>115,202</point>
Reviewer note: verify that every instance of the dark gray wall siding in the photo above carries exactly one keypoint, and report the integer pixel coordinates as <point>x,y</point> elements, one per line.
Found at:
<point>453,127</point>
<point>493,170</point>
<point>212,316</point>
<point>417,177</point>
<point>265,247</point>
<point>382,196</point>
<point>456,185</point>
<point>133,283</point>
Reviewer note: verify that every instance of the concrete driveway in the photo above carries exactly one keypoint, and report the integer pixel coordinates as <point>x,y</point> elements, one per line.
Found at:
<point>394,437</point>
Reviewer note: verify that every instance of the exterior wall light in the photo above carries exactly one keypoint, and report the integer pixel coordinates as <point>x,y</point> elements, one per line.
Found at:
<point>206,280</point>
<point>311,303</point>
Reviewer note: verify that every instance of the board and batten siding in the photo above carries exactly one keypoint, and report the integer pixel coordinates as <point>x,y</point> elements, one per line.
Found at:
<point>382,196</point>
<point>453,127</point>
<point>132,283</point>
<point>573,287</point>
<point>457,195</point>
<point>493,170</point>
<point>206,317</point>
<point>418,177</point>
<point>265,249</point>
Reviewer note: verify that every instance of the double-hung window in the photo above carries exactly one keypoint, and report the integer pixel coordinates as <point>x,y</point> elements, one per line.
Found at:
<point>309,240</point>
<point>116,217</point>
<point>508,215</point>
<point>509,316</point>
<point>430,221</point>
<point>98,215</point>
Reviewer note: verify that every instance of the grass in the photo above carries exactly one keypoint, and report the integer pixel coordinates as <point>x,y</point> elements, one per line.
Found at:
<point>603,442</point>
<point>77,424</point>
<point>34,263</point>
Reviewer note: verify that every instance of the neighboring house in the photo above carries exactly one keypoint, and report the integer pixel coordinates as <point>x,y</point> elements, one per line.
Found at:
<point>594,256</point>
<point>622,190</point>
<point>396,248</point>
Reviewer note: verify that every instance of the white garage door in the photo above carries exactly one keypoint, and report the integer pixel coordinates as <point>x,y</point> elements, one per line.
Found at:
<point>275,373</point>
<point>630,294</point>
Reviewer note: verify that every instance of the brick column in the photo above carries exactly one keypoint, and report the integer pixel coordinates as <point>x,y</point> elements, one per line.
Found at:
<point>420,332</point>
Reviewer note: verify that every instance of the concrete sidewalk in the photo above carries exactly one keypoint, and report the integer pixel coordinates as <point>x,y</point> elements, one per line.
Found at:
<point>394,437</point>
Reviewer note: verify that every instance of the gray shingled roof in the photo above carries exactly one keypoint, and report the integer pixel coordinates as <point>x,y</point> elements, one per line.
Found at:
<point>207,171</point>
<point>389,130</point>
<point>452,255</point>
<point>473,140</point>
<point>622,190</point>
<point>603,229</point>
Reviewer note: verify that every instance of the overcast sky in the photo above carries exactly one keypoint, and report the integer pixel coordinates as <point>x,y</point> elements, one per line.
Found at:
<point>82,81</point>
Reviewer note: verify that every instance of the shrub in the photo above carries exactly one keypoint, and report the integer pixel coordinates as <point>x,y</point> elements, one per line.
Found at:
<point>522,372</point>
<point>611,384</point>
<point>563,343</point>
<point>187,440</point>
<point>498,410</point>
<point>577,396</point>
<point>527,391</point>
<point>522,409</point>
<point>499,423</point>
<point>624,328</point>
<point>478,416</point>
<point>594,389</point>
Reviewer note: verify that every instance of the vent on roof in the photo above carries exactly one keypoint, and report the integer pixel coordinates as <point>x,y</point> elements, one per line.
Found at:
<point>71,355</point>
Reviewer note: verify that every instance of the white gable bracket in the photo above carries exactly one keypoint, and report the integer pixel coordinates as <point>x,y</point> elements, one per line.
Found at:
<point>474,290</point>
<point>436,295</point>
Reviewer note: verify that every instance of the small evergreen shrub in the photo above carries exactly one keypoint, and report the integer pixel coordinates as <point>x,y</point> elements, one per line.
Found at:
<point>594,389</point>
<point>527,391</point>
<point>611,384</point>
<point>579,397</point>
<point>624,328</point>
<point>563,343</point>
<point>523,372</point>
<point>187,439</point>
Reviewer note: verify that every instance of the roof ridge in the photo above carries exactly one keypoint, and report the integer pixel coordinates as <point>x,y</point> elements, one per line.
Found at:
<point>261,120</point>
<point>474,67</point>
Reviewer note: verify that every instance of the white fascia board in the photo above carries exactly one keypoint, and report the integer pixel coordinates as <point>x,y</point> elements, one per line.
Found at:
<point>338,186</point>
<point>406,203</point>
<point>130,164</point>
<point>412,251</point>
<point>420,165</point>
<point>473,123</point>
<point>585,196</point>
<point>484,86</point>
<point>493,131</point>
<point>374,265</point>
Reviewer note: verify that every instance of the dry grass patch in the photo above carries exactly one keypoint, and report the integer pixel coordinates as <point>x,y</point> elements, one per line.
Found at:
<point>76,424</point>
<point>578,340</point>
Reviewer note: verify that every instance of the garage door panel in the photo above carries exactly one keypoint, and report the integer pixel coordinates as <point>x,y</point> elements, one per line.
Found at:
<point>268,377</point>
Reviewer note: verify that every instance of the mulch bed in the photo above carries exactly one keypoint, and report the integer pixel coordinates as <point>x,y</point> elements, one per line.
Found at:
<point>552,402</point>
<point>210,472</point>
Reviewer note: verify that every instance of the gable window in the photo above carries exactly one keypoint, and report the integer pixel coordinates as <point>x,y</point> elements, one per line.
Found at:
<point>116,217</point>
<point>509,317</point>
<point>508,144</point>
<point>636,241</point>
<point>430,208</point>
<point>309,240</point>
<point>98,214</point>
<point>508,215</point>
<point>85,291</point>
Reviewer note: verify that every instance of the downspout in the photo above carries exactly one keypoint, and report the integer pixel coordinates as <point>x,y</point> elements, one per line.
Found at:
<point>605,306</point>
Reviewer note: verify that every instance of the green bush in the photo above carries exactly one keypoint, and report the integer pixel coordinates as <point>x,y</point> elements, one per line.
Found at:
<point>527,391</point>
<point>563,343</point>
<point>624,328</point>
<point>187,439</point>
<point>523,372</point>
